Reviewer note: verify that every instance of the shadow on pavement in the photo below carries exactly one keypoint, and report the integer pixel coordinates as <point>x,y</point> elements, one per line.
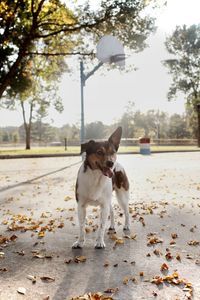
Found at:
<point>36,178</point>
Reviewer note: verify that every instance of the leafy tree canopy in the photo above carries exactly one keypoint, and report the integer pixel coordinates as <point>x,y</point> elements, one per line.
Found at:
<point>184,45</point>
<point>50,28</point>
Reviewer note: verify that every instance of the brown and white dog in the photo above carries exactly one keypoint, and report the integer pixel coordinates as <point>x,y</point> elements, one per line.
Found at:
<point>98,176</point>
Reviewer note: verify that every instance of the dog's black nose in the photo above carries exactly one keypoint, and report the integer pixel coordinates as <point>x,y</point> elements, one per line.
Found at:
<point>109,163</point>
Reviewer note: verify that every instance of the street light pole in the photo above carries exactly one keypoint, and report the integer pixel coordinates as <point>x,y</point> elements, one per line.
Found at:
<point>83,78</point>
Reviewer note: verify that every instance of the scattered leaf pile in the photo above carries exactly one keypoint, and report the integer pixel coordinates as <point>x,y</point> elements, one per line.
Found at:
<point>23,223</point>
<point>175,279</point>
<point>93,296</point>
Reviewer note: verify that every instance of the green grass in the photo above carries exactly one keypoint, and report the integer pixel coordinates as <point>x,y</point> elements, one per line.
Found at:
<point>76,150</point>
<point>40,150</point>
<point>160,148</point>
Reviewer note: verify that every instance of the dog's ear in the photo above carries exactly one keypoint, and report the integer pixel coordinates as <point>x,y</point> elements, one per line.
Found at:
<point>116,137</point>
<point>86,146</point>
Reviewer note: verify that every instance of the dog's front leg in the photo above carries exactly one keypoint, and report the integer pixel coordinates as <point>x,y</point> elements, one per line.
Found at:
<point>81,218</point>
<point>102,226</point>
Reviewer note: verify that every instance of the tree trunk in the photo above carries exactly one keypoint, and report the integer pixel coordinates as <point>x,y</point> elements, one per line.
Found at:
<point>27,127</point>
<point>28,137</point>
<point>198,125</point>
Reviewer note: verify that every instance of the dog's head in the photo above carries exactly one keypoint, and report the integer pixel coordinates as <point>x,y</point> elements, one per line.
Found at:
<point>102,155</point>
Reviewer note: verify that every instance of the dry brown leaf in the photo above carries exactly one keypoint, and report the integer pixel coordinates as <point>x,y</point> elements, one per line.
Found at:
<point>68,260</point>
<point>106,264</point>
<point>157,252</point>
<point>154,240</point>
<point>93,296</point>
<point>67,198</point>
<point>41,234</point>
<point>88,229</point>
<point>47,279</point>
<point>111,290</point>
<point>61,225</point>
<point>141,219</point>
<point>197,262</point>
<point>168,256</point>
<point>80,259</point>
<point>193,243</point>
<point>118,242</point>
<point>133,237</point>
<point>13,237</point>
<point>164,267</point>
<point>174,235</point>
<point>125,280</point>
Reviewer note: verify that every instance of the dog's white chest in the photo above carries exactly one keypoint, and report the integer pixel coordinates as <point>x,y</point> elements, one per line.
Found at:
<point>93,185</point>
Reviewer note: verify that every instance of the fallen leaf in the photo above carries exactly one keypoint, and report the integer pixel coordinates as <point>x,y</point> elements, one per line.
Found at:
<point>168,256</point>
<point>40,256</point>
<point>32,278</point>
<point>79,259</point>
<point>41,234</point>
<point>111,290</point>
<point>154,240</point>
<point>141,219</point>
<point>164,267</point>
<point>68,260</point>
<point>174,235</point>
<point>21,290</point>
<point>118,242</point>
<point>13,237</point>
<point>106,264</point>
<point>67,198</point>
<point>133,237</point>
<point>2,254</point>
<point>47,279</point>
<point>93,296</point>
<point>193,243</point>
<point>157,252</point>
<point>61,225</point>
<point>125,280</point>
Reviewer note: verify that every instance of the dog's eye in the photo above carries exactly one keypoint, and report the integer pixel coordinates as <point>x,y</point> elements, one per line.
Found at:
<point>100,152</point>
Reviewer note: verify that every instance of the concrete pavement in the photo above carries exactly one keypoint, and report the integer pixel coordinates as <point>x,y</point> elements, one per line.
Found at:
<point>38,225</point>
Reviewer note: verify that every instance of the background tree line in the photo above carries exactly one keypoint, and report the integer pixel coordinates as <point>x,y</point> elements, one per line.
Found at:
<point>153,123</point>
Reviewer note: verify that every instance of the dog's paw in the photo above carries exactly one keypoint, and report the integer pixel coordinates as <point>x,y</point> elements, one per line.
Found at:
<point>111,228</point>
<point>77,245</point>
<point>100,245</point>
<point>126,227</point>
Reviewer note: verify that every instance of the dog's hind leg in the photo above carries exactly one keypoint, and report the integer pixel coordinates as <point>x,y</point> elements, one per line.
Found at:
<point>123,199</point>
<point>102,226</point>
<point>112,220</point>
<point>81,218</point>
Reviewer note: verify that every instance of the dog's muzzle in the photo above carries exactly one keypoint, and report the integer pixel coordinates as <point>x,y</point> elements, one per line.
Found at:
<point>107,170</point>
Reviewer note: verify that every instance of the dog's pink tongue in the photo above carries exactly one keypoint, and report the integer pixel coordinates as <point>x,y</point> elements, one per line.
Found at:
<point>108,172</point>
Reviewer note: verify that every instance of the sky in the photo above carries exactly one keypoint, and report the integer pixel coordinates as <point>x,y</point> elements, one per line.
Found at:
<point>107,93</point>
